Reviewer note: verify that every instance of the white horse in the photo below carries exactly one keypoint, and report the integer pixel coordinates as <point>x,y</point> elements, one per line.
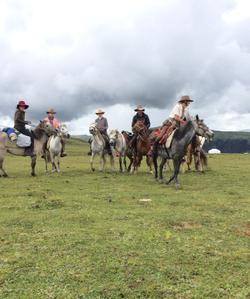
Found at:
<point>54,148</point>
<point>118,146</point>
<point>98,146</point>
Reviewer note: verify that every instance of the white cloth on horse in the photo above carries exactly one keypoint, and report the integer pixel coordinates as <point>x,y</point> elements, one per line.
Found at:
<point>23,140</point>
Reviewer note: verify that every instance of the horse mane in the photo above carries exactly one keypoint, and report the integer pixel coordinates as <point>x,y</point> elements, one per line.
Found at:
<point>181,131</point>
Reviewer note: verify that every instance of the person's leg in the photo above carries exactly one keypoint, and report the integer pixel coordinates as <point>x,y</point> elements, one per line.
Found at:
<point>63,154</point>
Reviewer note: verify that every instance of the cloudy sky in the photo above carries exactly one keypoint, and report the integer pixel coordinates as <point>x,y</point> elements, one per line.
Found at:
<point>77,56</point>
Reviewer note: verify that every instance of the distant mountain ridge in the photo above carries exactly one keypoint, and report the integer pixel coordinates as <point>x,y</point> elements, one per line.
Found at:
<point>230,141</point>
<point>225,141</point>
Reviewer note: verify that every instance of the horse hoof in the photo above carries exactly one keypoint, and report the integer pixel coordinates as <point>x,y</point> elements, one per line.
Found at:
<point>5,175</point>
<point>177,187</point>
<point>160,181</point>
<point>93,169</point>
<point>33,174</point>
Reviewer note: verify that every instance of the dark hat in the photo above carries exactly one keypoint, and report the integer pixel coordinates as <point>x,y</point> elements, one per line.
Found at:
<point>139,108</point>
<point>22,104</point>
<point>185,99</point>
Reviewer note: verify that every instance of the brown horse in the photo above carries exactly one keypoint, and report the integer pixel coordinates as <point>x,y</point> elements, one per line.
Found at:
<point>142,146</point>
<point>41,133</point>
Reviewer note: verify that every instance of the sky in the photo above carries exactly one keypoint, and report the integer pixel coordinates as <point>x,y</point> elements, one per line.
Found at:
<point>76,56</point>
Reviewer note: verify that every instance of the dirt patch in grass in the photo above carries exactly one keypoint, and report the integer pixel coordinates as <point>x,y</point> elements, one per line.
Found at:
<point>245,231</point>
<point>186,225</point>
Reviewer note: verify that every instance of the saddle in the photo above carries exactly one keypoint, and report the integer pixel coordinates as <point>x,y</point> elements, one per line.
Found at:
<point>165,135</point>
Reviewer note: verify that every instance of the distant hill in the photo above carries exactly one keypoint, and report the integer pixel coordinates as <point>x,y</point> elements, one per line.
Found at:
<point>82,137</point>
<point>230,142</point>
<point>225,141</point>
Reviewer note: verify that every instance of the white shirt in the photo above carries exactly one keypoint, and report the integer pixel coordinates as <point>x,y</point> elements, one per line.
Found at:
<point>180,111</point>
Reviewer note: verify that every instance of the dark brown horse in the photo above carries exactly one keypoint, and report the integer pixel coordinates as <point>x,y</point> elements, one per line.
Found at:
<point>142,146</point>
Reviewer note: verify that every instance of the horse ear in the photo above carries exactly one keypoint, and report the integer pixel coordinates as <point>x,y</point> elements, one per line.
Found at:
<point>197,117</point>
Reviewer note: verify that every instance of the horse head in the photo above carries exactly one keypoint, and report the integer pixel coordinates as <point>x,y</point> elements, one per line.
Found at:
<point>63,131</point>
<point>47,128</point>
<point>140,128</point>
<point>113,136</point>
<point>93,130</point>
<point>202,129</point>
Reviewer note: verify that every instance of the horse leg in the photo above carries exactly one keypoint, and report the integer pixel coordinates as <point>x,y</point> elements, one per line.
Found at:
<point>120,163</point>
<point>92,161</point>
<point>177,163</point>
<point>155,165</point>
<point>53,162</point>
<point>2,169</point>
<point>33,165</point>
<point>112,162</point>
<point>58,163</point>
<point>102,161</point>
<point>149,163</point>
<point>163,161</point>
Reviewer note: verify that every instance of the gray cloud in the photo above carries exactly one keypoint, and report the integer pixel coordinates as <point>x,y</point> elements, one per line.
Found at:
<point>150,58</point>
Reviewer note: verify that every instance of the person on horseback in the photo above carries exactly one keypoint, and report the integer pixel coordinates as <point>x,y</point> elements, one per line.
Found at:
<point>20,122</point>
<point>178,116</point>
<point>142,117</point>
<point>102,124</point>
<point>53,121</point>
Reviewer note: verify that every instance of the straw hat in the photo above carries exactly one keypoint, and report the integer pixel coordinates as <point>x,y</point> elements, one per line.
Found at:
<point>99,111</point>
<point>185,99</point>
<point>139,108</point>
<point>51,110</point>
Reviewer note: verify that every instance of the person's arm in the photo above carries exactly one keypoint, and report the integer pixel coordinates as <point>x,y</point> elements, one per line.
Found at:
<point>106,125</point>
<point>19,119</point>
<point>147,122</point>
<point>178,118</point>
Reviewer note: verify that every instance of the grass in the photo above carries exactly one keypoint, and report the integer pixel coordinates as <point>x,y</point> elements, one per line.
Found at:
<point>80,234</point>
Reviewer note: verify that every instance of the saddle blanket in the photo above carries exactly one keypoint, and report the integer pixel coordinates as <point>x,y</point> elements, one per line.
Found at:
<point>165,136</point>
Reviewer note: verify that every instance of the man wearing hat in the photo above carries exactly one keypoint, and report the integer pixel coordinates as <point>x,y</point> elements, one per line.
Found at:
<point>139,116</point>
<point>102,124</point>
<point>178,116</point>
<point>53,121</point>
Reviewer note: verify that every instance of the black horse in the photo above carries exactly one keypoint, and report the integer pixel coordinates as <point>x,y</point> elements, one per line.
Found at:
<point>181,139</point>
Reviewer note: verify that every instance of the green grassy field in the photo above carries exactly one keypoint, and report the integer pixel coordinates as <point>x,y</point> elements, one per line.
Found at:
<point>80,234</point>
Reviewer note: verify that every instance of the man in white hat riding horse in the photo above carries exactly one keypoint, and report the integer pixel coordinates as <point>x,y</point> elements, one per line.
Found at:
<point>178,116</point>
<point>102,125</point>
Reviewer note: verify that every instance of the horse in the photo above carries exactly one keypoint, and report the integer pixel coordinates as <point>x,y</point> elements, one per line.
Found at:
<point>118,145</point>
<point>129,152</point>
<point>142,146</point>
<point>98,146</point>
<point>195,150</point>
<point>54,148</point>
<point>41,134</point>
<point>177,150</point>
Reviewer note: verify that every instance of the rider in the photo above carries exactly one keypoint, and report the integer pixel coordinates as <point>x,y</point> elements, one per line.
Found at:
<point>53,121</point>
<point>20,122</point>
<point>178,116</point>
<point>139,116</point>
<point>102,125</point>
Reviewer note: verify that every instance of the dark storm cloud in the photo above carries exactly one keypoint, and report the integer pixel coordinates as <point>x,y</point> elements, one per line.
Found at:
<point>151,58</point>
